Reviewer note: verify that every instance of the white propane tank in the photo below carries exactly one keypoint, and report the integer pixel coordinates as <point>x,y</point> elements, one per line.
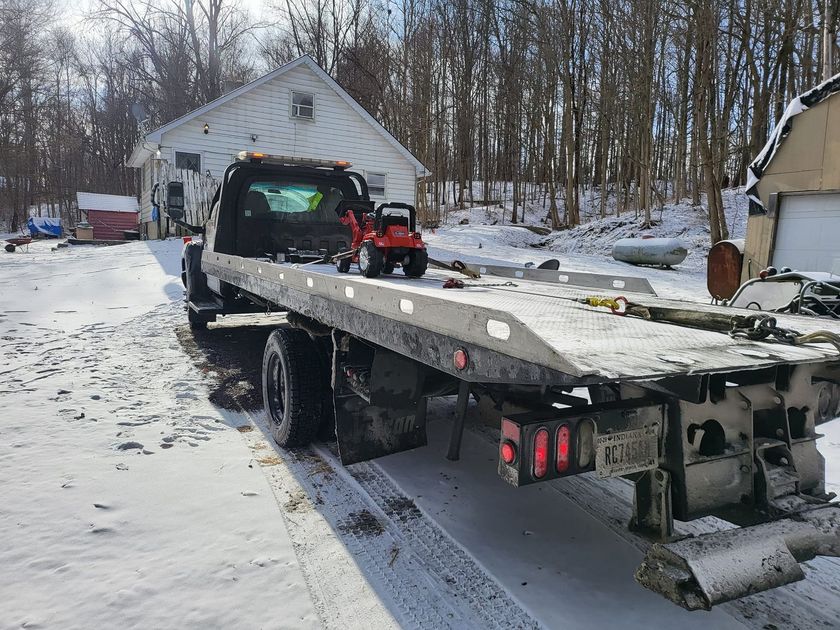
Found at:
<point>650,251</point>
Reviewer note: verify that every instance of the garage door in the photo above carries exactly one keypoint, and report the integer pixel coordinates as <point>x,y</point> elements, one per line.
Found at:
<point>808,233</point>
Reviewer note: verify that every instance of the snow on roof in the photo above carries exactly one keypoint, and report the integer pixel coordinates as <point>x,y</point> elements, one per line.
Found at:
<point>110,203</point>
<point>142,151</point>
<point>781,131</point>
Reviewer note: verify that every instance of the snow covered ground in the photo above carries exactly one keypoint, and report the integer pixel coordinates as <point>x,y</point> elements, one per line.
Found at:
<point>595,237</point>
<point>128,500</point>
<point>139,487</point>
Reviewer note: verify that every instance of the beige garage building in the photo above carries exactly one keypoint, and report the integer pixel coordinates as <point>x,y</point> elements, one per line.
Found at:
<point>794,188</point>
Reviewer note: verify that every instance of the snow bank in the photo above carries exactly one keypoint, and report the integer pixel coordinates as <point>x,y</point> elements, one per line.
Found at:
<point>489,224</point>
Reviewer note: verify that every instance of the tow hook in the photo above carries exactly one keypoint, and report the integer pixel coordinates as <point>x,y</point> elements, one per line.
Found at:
<point>700,572</point>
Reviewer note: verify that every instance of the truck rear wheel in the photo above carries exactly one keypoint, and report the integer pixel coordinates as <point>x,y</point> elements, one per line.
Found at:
<point>292,387</point>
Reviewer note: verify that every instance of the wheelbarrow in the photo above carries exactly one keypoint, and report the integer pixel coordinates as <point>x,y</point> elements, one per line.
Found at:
<point>20,241</point>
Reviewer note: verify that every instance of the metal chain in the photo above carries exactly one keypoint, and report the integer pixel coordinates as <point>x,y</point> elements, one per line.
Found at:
<point>455,283</point>
<point>760,327</point>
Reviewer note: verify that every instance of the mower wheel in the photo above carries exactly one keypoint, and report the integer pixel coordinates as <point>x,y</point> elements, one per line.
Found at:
<point>388,267</point>
<point>343,264</point>
<point>418,261</point>
<point>371,260</point>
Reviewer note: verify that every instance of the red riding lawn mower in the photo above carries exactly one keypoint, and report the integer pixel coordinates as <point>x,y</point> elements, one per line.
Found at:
<point>382,241</point>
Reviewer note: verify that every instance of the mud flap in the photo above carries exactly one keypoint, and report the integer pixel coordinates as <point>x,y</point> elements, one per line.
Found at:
<point>379,409</point>
<point>698,573</point>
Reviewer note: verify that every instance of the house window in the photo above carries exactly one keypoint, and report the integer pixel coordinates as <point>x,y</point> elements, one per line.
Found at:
<point>188,161</point>
<point>303,105</point>
<point>376,184</point>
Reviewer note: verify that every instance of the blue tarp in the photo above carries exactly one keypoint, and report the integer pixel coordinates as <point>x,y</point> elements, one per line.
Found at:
<point>44,226</point>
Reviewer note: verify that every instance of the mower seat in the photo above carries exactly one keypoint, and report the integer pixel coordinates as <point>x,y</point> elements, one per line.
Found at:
<point>398,220</point>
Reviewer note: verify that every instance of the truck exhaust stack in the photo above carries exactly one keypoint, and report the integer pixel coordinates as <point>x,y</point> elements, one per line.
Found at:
<point>698,573</point>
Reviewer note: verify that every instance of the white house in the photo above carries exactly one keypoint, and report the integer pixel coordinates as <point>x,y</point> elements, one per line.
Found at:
<point>296,110</point>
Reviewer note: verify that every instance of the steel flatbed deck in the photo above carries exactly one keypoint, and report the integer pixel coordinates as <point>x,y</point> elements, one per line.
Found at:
<point>534,331</point>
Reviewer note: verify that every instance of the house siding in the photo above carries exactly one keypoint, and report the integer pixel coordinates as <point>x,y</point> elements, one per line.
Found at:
<point>146,192</point>
<point>337,132</point>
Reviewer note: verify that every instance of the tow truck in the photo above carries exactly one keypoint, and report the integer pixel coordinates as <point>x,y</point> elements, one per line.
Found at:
<point>707,410</point>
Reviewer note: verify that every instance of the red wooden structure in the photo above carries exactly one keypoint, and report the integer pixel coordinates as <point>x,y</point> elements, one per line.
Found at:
<point>109,215</point>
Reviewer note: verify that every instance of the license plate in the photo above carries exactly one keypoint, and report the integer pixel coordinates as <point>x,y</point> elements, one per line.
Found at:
<point>626,452</point>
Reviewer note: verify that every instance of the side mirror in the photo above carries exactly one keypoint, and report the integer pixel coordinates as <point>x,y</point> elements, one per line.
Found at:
<point>175,200</point>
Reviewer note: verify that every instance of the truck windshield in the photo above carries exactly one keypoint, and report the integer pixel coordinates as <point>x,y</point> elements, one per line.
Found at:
<point>279,201</point>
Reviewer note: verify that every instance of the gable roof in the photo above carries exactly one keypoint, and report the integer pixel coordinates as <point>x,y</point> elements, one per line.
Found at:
<point>142,151</point>
<point>780,132</point>
<point>110,203</point>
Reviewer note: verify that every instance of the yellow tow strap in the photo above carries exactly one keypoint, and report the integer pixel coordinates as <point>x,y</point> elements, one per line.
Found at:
<point>614,304</point>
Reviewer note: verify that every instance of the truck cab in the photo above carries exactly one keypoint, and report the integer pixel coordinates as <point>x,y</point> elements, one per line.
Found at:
<point>276,208</point>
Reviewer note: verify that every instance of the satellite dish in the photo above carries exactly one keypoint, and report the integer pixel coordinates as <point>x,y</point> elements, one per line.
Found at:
<point>139,112</point>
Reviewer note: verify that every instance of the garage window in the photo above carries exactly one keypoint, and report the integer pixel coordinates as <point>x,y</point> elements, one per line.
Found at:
<point>376,184</point>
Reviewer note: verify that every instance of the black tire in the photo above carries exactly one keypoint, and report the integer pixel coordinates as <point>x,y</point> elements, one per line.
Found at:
<point>10,247</point>
<point>388,267</point>
<point>343,264</point>
<point>371,260</point>
<point>418,262</point>
<point>196,322</point>
<point>196,280</point>
<point>292,387</point>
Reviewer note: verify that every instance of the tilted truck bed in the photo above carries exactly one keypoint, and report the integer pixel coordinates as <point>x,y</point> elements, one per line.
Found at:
<point>538,323</point>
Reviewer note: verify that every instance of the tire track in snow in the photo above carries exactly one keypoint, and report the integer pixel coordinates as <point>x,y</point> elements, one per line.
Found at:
<point>426,578</point>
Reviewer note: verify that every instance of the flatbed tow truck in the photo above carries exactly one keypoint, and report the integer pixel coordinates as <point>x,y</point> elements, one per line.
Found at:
<point>707,410</point>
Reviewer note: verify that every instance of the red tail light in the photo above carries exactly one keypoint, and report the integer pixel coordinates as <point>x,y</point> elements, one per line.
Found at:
<point>508,452</point>
<point>461,359</point>
<point>563,447</point>
<point>540,453</point>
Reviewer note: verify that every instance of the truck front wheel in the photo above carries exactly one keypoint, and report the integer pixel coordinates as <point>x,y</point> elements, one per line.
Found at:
<point>291,383</point>
<point>196,321</point>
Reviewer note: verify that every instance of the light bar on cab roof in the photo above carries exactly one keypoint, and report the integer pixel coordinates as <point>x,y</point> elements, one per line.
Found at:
<point>255,156</point>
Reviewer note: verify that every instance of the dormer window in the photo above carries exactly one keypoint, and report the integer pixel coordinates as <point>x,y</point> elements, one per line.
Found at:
<point>303,105</point>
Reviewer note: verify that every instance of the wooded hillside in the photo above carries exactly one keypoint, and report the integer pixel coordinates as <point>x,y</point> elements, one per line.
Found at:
<point>649,99</point>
